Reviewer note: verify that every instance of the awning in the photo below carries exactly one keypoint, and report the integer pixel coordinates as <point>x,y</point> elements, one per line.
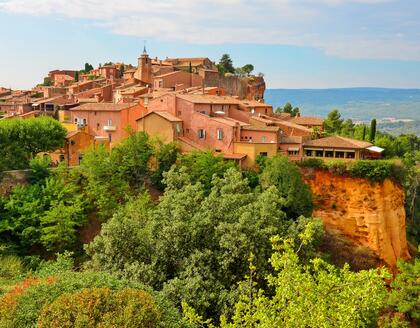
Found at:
<point>293,149</point>
<point>375,149</point>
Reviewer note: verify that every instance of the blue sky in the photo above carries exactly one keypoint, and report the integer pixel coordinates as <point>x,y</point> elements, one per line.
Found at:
<point>295,43</point>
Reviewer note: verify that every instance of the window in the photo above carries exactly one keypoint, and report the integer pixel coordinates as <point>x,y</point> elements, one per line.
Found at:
<point>339,154</point>
<point>178,128</point>
<point>62,158</point>
<point>329,153</point>
<point>293,152</point>
<point>84,121</point>
<point>264,154</point>
<point>264,139</point>
<point>309,153</point>
<point>98,126</point>
<point>219,134</point>
<point>76,120</point>
<point>110,137</point>
<point>218,150</point>
<point>319,153</point>
<point>109,122</point>
<point>201,134</point>
<point>80,158</point>
<point>350,154</point>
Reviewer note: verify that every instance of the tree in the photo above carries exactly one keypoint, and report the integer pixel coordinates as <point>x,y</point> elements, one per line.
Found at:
<point>88,67</point>
<point>248,68</point>
<point>405,291</point>
<point>372,134</point>
<point>333,122</point>
<point>364,133</point>
<point>194,245</point>
<point>76,76</point>
<point>225,65</point>
<point>289,109</point>
<point>285,176</point>
<point>122,70</point>
<point>22,140</point>
<point>313,295</point>
<point>347,128</point>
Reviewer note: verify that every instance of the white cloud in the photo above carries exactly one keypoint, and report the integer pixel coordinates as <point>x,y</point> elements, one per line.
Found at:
<point>293,22</point>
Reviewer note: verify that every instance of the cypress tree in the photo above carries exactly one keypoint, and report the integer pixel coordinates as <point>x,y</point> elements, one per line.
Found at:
<point>372,130</point>
<point>364,132</point>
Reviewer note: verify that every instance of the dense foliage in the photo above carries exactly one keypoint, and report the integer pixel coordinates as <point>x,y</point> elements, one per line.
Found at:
<point>41,298</point>
<point>231,248</point>
<point>21,140</point>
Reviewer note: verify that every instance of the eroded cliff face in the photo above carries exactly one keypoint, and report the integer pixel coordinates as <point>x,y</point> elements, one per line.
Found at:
<point>371,214</point>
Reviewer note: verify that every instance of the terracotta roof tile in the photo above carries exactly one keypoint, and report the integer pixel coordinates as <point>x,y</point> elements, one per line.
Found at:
<point>103,107</point>
<point>338,142</point>
<point>306,120</point>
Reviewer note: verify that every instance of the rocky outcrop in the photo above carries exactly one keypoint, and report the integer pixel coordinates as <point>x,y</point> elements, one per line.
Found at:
<point>370,214</point>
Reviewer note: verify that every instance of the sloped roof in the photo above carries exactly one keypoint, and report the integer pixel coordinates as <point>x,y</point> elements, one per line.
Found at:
<point>338,142</point>
<point>103,107</point>
<point>307,120</point>
<point>208,99</point>
<point>261,128</point>
<point>165,115</point>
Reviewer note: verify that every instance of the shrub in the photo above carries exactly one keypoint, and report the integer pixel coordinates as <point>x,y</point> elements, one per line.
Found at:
<point>23,308</point>
<point>372,170</point>
<point>338,167</point>
<point>10,266</point>
<point>313,163</point>
<point>93,307</point>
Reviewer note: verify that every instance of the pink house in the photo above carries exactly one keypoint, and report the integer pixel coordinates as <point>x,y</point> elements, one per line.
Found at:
<point>106,120</point>
<point>177,80</point>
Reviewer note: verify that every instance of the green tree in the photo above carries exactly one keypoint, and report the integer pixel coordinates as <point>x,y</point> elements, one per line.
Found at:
<point>372,134</point>
<point>285,175</point>
<point>347,128</point>
<point>289,109</point>
<point>313,295</point>
<point>225,65</point>
<point>22,140</point>
<point>405,292</point>
<point>76,76</point>
<point>333,122</point>
<point>248,68</point>
<point>88,67</point>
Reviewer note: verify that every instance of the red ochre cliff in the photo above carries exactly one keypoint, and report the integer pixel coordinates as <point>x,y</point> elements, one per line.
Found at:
<point>368,213</point>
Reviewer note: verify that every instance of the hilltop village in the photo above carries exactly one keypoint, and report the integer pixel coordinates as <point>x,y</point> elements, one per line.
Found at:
<point>186,100</point>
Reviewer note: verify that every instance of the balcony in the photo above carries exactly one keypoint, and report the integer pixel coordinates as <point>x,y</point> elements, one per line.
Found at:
<point>109,128</point>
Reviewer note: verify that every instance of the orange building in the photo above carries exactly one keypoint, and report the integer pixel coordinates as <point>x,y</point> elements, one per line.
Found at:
<point>107,120</point>
<point>76,143</point>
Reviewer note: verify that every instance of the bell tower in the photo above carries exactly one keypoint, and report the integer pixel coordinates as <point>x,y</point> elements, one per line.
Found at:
<point>144,68</point>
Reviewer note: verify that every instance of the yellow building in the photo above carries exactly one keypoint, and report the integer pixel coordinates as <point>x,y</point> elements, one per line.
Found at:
<point>161,124</point>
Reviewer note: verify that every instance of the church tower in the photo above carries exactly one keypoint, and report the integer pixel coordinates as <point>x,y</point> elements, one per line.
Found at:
<point>144,68</point>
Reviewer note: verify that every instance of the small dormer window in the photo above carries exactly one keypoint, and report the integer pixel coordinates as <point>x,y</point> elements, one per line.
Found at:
<point>219,134</point>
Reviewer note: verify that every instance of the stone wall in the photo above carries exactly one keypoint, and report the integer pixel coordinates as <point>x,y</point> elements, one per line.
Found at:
<point>370,214</point>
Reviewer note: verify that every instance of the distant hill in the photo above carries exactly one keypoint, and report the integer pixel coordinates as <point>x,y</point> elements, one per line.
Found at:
<point>359,104</point>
